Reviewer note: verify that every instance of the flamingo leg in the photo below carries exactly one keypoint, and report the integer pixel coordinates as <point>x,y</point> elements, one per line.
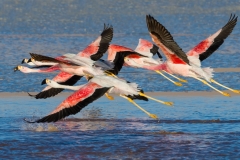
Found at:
<point>180,79</point>
<point>134,103</point>
<point>233,90</point>
<point>163,102</point>
<point>109,97</point>
<point>205,82</point>
<point>176,83</point>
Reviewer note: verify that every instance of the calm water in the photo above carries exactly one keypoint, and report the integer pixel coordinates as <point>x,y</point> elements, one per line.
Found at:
<point>196,128</point>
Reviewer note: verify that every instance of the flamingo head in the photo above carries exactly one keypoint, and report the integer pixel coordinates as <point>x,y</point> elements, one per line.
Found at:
<point>128,61</point>
<point>22,69</point>
<point>46,81</point>
<point>25,60</point>
<point>50,82</point>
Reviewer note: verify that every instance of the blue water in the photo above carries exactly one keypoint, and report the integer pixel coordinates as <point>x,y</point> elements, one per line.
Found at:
<point>198,127</point>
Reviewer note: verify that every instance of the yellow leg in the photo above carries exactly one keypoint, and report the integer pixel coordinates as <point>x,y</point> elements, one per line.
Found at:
<point>205,82</point>
<point>180,79</point>
<point>166,103</point>
<point>233,90</point>
<point>109,97</point>
<point>131,101</point>
<point>176,83</point>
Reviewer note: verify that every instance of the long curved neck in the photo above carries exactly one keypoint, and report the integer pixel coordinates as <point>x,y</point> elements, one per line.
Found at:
<point>49,69</point>
<point>56,85</point>
<point>157,67</point>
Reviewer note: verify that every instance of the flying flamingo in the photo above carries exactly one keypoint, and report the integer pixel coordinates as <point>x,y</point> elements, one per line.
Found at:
<point>94,51</point>
<point>180,63</point>
<point>206,47</point>
<point>146,48</point>
<point>96,87</point>
<point>72,64</point>
<point>132,58</point>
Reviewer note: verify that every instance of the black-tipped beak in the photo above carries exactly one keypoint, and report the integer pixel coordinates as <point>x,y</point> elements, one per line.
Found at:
<point>23,61</point>
<point>44,81</point>
<point>159,55</point>
<point>16,69</point>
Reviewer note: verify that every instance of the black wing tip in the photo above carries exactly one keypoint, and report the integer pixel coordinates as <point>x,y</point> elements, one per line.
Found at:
<point>107,29</point>
<point>33,54</point>
<point>107,26</point>
<point>31,95</point>
<point>28,121</point>
<point>233,17</point>
<point>153,25</point>
<point>23,61</point>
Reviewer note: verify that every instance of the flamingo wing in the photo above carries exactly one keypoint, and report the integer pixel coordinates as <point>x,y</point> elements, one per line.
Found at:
<point>147,47</point>
<point>62,78</point>
<point>97,48</point>
<point>205,48</point>
<point>75,102</point>
<point>164,40</point>
<point>43,58</point>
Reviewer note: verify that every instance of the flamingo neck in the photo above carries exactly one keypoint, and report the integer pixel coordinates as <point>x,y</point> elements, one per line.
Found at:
<point>161,66</point>
<point>49,69</point>
<point>56,85</point>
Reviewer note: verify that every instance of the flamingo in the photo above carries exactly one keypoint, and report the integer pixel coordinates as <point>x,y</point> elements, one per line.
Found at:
<point>67,63</point>
<point>85,94</point>
<point>132,58</point>
<point>94,51</point>
<point>146,48</point>
<point>206,47</point>
<point>180,63</point>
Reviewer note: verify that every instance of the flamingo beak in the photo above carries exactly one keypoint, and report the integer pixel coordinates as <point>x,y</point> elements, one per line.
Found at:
<point>24,60</point>
<point>45,81</point>
<point>29,60</point>
<point>159,55</point>
<point>17,68</point>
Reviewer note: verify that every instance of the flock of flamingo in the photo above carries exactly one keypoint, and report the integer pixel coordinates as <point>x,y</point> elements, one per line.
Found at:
<point>102,74</point>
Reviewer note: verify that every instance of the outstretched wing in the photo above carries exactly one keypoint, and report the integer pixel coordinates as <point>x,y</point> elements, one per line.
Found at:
<point>205,48</point>
<point>75,102</point>
<point>164,40</point>
<point>147,48</point>
<point>62,78</point>
<point>97,48</point>
<point>42,58</point>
